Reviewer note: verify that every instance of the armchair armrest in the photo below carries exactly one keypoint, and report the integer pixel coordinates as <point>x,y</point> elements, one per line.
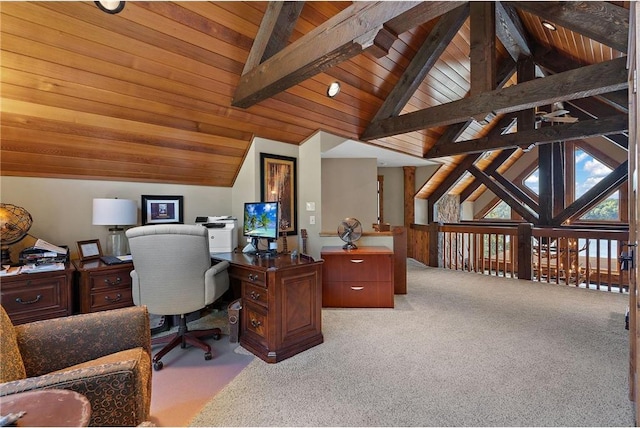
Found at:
<point>51,345</point>
<point>118,387</point>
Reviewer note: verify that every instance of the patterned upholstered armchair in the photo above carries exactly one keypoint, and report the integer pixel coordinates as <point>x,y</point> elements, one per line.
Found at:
<point>106,356</point>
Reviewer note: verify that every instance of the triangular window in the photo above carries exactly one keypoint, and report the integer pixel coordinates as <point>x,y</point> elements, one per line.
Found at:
<point>500,211</point>
<point>589,171</point>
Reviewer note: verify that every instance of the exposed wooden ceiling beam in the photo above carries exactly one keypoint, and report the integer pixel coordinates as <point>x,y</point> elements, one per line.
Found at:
<point>268,24</point>
<point>503,194</point>
<point>437,41</point>
<point>544,135</point>
<point>583,82</point>
<point>343,36</point>
<point>511,31</point>
<point>594,195</point>
<point>483,47</point>
<point>493,166</point>
<point>554,62</point>
<point>601,21</point>
<point>515,191</point>
<point>281,33</point>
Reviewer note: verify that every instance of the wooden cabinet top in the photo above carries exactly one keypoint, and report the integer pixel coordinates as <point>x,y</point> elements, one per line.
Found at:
<point>97,264</point>
<point>360,250</point>
<point>281,261</point>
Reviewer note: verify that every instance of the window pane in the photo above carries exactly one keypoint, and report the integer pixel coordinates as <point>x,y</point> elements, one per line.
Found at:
<point>502,211</point>
<point>589,171</point>
<point>532,182</point>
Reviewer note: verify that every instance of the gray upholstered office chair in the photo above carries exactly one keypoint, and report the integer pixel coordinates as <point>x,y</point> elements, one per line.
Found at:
<point>173,276</point>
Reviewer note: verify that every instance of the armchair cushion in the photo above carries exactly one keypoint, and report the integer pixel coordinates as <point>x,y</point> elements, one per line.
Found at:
<point>11,365</point>
<point>105,356</point>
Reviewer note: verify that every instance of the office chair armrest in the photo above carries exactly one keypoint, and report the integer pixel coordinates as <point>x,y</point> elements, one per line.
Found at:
<point>216,281</point>
<point>219,267</point>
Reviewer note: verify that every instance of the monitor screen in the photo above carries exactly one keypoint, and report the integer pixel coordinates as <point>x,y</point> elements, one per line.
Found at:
<point>261,220</point>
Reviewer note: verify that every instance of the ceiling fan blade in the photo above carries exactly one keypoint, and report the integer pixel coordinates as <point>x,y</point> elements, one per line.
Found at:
<point>557,113</point>
<point>562,119</point>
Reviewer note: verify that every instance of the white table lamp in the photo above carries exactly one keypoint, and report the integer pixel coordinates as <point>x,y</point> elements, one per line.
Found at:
<point>115,213</point>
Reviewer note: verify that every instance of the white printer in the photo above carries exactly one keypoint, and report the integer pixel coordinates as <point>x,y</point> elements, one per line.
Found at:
<point>223,234</point>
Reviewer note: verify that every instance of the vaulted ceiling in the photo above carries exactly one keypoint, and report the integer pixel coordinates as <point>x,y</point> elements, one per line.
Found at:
<point>174,92</point>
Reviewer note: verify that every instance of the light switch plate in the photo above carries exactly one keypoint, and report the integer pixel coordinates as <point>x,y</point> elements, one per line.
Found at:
<point>311,206</point>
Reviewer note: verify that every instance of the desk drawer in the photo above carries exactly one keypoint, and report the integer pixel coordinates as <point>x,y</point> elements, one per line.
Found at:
<point>251,276</point>
<point>356,294</point>
<point>111,280</point>
<point>357,267</point>
<point>258,295</point>
<point>255,322</point>
<point>36,299</point>
<point>111,299</point>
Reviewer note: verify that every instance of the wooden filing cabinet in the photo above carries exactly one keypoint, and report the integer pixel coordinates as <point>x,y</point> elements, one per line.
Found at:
<point>38,296</point>
<point>101,286</point>
<point>360,278</point>
<point>281,303</point>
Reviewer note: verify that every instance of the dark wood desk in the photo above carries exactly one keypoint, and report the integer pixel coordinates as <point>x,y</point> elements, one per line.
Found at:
<point>281,303</point>
<point>48,408</point>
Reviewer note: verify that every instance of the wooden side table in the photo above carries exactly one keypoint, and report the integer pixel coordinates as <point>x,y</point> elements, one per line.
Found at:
<point>102,287</point>
<point>48,408</point>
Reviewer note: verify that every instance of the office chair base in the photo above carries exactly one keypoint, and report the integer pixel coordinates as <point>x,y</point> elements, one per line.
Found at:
<point>183,337</point>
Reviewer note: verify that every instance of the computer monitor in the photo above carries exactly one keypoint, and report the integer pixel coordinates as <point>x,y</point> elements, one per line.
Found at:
<point>261,222</point>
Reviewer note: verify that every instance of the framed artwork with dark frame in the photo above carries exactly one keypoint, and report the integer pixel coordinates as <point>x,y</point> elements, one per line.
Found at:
<point>162,209</point>
<point>89,250</point>
<point>278,184</point>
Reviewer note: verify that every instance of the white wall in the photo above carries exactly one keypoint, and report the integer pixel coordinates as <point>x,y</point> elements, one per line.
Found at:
<point>62,209</point>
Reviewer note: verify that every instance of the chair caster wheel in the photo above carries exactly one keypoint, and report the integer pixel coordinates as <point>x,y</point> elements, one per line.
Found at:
<point>208,356</point>
<point>158,365</point>
<point>216,336</point>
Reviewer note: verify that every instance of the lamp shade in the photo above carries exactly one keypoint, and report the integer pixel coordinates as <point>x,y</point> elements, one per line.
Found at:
<point>115,212</point>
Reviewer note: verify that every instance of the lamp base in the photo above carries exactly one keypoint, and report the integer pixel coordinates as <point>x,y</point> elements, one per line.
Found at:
<point>117,242</point>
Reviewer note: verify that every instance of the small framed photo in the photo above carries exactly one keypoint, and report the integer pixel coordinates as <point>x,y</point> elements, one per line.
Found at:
<point>89,250</point>
<point>162,209</point>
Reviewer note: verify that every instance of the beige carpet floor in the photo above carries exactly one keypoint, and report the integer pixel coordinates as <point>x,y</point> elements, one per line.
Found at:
<point>460,349</point>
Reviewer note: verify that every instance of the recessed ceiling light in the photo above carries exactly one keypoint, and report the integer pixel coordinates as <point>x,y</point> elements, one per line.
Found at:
<point>333,89</point>
<point>110,6</point>
<point>548,25</point>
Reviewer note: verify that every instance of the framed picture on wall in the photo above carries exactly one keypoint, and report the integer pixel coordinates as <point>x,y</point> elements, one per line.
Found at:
<point>278,184</point>
<point>162,209</point>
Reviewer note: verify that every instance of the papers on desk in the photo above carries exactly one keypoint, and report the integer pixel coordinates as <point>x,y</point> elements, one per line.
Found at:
<point>46,267</point>
<point>44,245</point>
<point>10,270</point>
<point>126,258</point>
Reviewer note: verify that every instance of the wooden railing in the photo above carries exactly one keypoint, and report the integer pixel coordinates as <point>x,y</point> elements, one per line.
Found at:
<point>582,256</point>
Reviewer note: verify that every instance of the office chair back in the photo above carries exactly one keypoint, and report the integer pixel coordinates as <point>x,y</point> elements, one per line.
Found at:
<point>171,264</point>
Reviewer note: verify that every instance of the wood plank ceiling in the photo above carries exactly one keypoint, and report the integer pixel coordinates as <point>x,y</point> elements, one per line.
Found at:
<point>174,92</point>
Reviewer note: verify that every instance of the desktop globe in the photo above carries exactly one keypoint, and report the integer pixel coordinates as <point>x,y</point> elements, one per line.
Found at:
<point>15,223</point>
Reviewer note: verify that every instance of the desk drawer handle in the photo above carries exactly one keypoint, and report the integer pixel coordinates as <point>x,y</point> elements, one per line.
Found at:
<point>255,323</point>
<point>253,277</point>
<point>29,302</point>
<point>357,288</point>
<point>254,295</point>
<point>117,299</point>
<point>116,282</point>
<point>357,261</point>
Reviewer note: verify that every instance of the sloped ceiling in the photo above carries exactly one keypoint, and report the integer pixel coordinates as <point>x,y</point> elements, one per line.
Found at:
<point>148,94</point>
